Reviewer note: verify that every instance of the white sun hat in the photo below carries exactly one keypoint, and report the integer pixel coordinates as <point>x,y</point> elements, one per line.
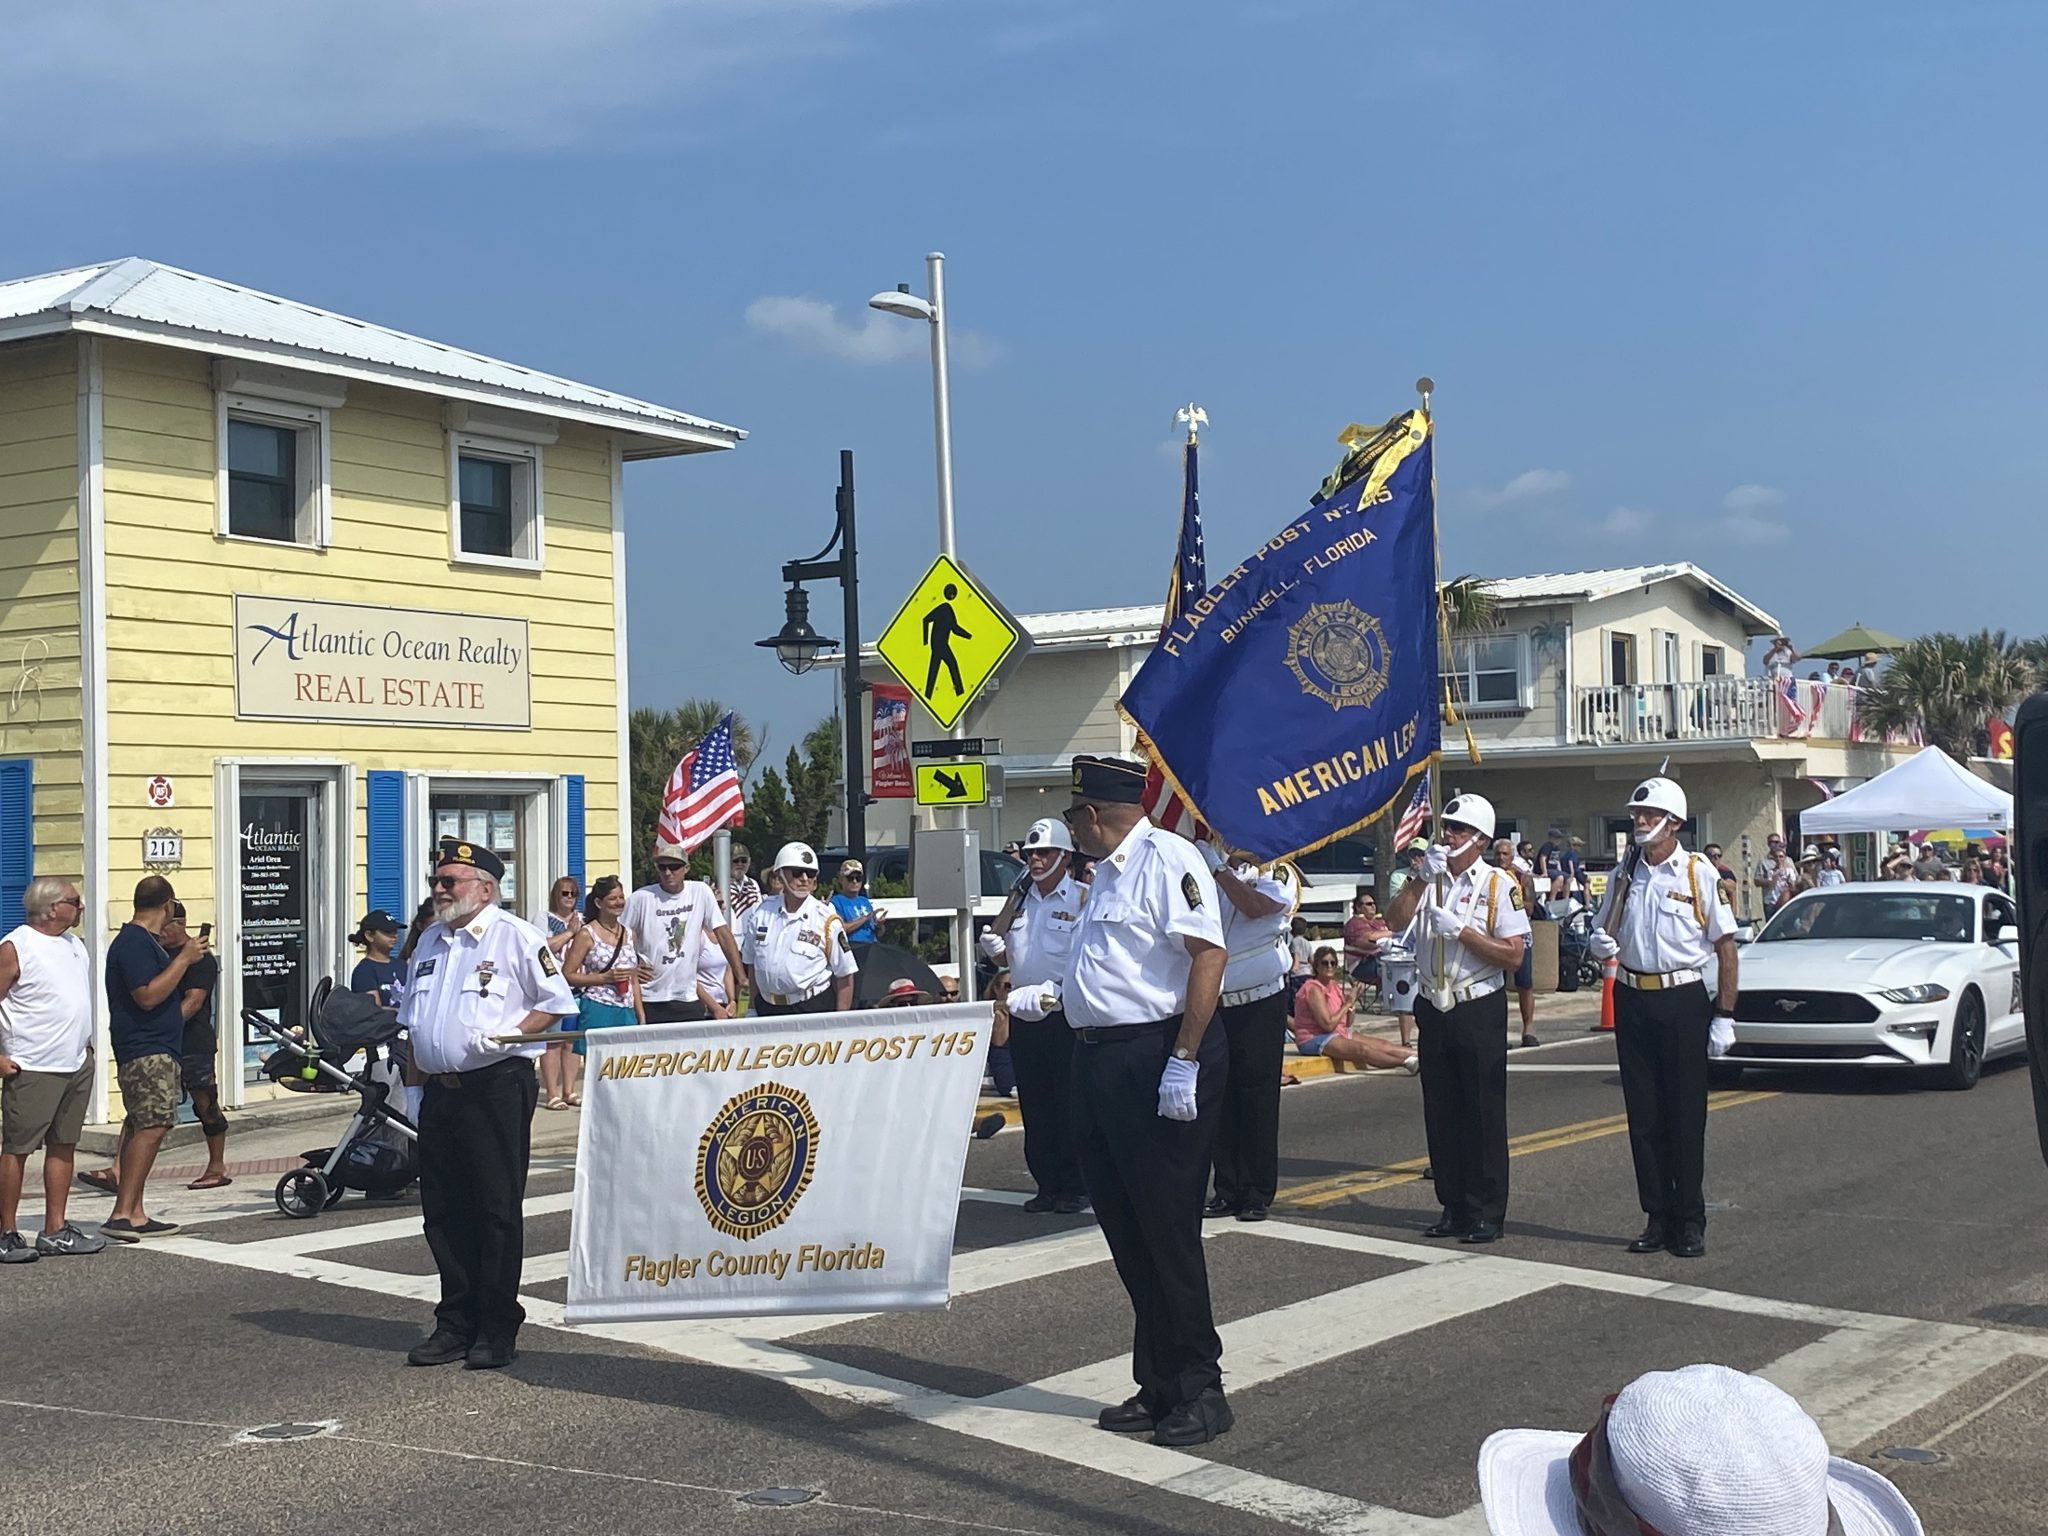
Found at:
<point>1703,1451</point>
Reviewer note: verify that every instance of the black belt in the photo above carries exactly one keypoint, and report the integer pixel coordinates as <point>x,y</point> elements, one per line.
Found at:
<point>1109,1034</point>
<point>474,1074</point>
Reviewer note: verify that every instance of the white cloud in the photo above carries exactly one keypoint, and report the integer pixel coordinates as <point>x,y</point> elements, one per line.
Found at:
<point>1529,485</point>
<point>813,326</point>
<point>1752,499</point>
<point>169,80</point>
<point>1623,522</point>
<point>1750,515</point>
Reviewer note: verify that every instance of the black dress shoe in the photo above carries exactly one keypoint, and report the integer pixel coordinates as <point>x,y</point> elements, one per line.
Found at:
<point>444,1346</point>
<point>1652,1240</point>
<point>1039,1203</point>
<point>1252,1212</point>
<point>490,1355</point>
<point>1449,1226</point>
<point>1132,1416</point>
<point>1482,1232</point>
<point>1070,1205</point>
<point>1218,1206</point>
<point>1689,1244</point>
<point>1196,1423</point>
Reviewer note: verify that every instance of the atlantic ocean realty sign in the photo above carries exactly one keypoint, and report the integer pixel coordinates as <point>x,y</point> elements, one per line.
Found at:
<point>300,659</point>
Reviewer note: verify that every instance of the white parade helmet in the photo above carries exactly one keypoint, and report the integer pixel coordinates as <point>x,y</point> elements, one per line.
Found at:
<point>1048,832</point>
<point>796,856</point>
<point>1659,794</point>
<point>1474,811</point>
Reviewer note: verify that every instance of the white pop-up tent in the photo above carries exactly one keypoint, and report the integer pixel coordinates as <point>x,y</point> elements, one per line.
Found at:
<point>1929,789</point>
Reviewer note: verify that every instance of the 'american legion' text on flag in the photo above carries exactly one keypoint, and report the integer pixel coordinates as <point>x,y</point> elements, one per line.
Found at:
<point>1292,701</point>
<point>703,793</point>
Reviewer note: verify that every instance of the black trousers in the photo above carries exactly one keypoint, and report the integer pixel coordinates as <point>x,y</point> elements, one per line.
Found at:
<point>1661,1040</point>
<point>1146,1175</point>
<point>1042,1054</point>
<point>1464,1060</point>
<point>677,1011</point>
<point>1248,1140</point>
<point>474,1141</point>
<point>822,1003</point>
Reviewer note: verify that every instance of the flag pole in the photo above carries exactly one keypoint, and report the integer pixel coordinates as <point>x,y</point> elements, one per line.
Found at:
<point>1426,387</point>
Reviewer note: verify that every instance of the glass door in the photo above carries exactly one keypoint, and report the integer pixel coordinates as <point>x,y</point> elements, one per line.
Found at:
<point>493,821</point>
<point>283,884</point>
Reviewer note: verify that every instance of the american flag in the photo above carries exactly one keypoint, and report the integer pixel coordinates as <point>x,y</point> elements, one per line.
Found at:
<point>1190,580</point>
<point>703,793</point>
<point>1410,825</point>
<point>1789,692</point>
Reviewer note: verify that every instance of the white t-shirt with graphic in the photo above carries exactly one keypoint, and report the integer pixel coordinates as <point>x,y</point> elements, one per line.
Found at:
<point>669,932</point>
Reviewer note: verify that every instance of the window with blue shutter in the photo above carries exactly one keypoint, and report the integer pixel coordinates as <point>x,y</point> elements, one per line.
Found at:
<point>387,843</point>
<point>572,800</point>
<point>17,836</point>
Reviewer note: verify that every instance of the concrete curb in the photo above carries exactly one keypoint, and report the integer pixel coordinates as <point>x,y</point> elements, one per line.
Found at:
<point>309,1110</point>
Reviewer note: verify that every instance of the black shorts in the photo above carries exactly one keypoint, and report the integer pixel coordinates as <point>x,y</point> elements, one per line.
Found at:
<point>198,1062</point>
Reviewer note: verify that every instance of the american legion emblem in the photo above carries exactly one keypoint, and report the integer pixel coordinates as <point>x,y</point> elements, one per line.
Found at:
<point>1338,653</point>
<point>756,1160</point>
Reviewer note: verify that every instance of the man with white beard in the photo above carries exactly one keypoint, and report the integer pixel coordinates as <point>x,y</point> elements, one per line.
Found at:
<point>478,972</point>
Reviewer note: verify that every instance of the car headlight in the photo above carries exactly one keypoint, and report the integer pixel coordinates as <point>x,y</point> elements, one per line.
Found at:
<point>1919,992</point>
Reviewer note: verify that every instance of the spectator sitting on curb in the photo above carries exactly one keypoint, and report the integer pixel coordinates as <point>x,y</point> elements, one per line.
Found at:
<point>46,1066</point>
<point>1322,1022</point>
<point>1702,1451</point>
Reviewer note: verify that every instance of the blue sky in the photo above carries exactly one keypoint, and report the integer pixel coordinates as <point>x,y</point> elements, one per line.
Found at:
<point>1754,285</point>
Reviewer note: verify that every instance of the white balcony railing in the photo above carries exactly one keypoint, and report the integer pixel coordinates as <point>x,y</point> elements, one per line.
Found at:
<point>1717,709</point>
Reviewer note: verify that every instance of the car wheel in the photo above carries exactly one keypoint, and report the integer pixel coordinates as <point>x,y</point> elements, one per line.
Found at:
<point>1966,1045</point>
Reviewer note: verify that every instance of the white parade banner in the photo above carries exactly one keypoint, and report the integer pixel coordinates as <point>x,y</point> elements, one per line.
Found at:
<point>808,1163</point>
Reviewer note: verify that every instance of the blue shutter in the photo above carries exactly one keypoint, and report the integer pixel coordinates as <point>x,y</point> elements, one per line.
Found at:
<point>572,800</point>
<point>17,835</point>
<point>387,843</point>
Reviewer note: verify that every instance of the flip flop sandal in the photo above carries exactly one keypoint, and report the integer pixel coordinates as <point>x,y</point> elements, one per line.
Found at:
<point>100,1180</point>
<point>220,1183</point>
<point>557,1104</point>
<point>575,1100</point>
<point>1289,1080</point>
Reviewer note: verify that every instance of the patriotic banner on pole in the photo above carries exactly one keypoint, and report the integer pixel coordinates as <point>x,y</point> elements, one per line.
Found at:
<point>1295,699</point>
<point>703,793</point>
<point>1189,581</point>
<point>889,774</point>
<point>808,1163</point>
<point>1415,817</point>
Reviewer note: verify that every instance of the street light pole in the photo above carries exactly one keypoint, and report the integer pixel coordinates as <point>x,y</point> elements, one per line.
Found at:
<point>942,404</point>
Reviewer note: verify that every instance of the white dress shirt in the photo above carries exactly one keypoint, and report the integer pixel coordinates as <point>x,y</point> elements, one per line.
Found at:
<point>1258,947</point>
<point>1488,899</point>
<point>795,955</point>
<point>1130,960</point>
<point>1675,912</point>
<point>476,981</point>
<point>669,932</point>
<point>1041,936</point>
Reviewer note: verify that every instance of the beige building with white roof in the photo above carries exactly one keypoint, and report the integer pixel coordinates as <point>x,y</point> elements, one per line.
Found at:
<point>1589,681</point>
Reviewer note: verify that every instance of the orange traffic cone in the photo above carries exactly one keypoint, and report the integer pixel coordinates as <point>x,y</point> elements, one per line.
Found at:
<point>1607,970</point>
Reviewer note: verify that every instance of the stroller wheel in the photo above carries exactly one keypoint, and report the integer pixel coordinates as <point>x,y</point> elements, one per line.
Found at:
<point>304,1193</point>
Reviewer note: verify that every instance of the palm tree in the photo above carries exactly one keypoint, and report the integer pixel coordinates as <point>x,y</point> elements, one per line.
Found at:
<point>1949,686</point>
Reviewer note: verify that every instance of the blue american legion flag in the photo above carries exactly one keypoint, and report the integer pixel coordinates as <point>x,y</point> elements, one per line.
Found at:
<point>1190,580</point>
<point>703,793</point>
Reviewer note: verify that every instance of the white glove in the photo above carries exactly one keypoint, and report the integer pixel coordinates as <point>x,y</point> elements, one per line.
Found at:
<point>1213,857</point>
<point>1033,1003</point>
<point>992,944</point>
<point>1720,1036</point>
<point>1177,1089</point>
<point>1445,923</point>
<point>1603,944</point>
<point>1437,861</point>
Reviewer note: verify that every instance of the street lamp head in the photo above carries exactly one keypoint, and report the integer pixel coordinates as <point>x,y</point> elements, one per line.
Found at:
<point>897,302</point>
<point>796,645</point>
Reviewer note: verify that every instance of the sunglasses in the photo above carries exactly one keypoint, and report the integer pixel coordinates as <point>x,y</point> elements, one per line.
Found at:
<point>1326,965</point>
<point>447,882</point>
<point>667,866</point>
<point>799,874</point>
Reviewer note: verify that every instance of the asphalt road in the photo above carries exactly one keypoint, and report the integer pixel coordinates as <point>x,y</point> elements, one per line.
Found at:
<point>1876,1247</point>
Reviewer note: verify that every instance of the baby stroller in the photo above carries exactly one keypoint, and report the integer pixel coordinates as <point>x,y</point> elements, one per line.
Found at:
<point>378,1152</point>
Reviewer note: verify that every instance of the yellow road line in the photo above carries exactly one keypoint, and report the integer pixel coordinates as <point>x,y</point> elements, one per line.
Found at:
<point>1313,1194</point>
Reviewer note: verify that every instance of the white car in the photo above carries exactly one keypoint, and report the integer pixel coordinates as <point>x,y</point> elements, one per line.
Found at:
<point>1896,975</point>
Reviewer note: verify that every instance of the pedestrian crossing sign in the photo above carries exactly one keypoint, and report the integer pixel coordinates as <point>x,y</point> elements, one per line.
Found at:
<point>948,639</point>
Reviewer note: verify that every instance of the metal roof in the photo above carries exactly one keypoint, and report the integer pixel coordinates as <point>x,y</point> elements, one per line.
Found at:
<point>1122,625</point>
<point>148,301</point>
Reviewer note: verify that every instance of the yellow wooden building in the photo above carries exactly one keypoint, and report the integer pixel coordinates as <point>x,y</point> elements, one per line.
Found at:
<point>284,596</point>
